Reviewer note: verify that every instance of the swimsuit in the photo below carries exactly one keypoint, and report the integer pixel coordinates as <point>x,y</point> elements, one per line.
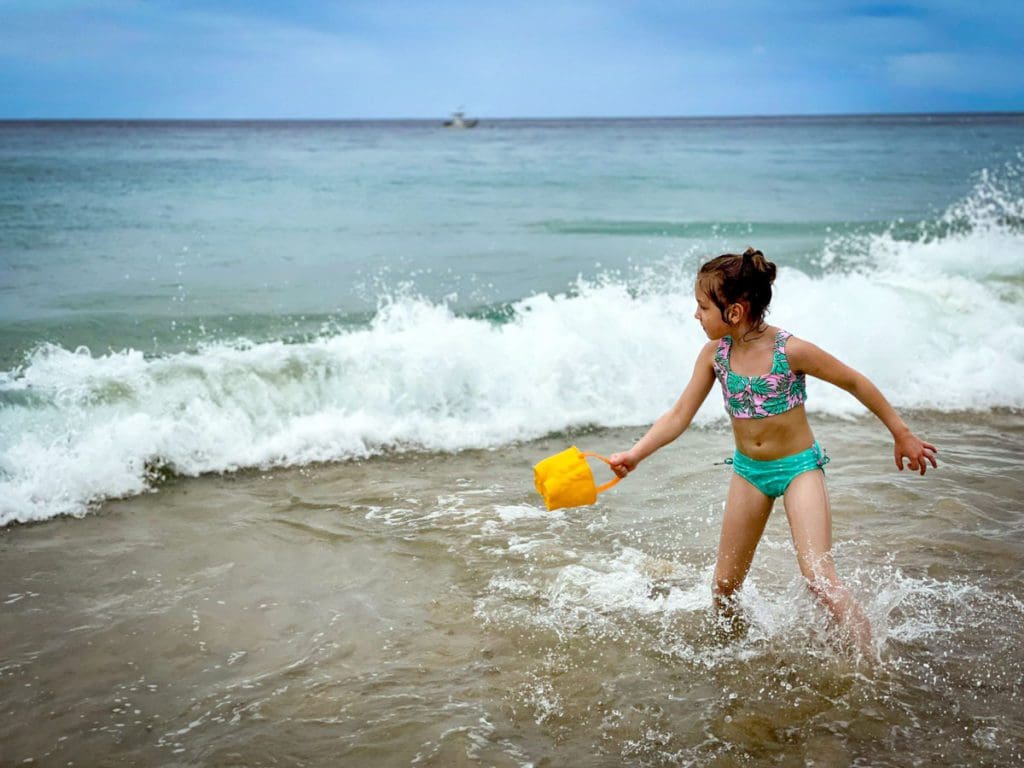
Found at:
<point>757,397</point>
<point>772,478</point>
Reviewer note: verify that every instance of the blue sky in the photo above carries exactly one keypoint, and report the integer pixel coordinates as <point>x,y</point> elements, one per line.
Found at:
<point>392,59</point>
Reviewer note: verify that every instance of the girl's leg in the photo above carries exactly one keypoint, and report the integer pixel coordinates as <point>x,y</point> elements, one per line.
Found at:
<point>810,521</point>
<point>746,513</point>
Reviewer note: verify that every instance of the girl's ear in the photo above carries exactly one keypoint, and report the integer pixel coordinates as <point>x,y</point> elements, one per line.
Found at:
<point>736,312</point>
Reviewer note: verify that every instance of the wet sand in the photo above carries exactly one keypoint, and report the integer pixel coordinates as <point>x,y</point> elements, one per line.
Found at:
<point>425,610</point>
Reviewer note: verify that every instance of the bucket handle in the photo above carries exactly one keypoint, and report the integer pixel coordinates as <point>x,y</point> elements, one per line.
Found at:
<point>611,482</point>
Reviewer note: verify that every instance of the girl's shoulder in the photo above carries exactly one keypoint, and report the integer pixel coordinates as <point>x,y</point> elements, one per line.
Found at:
<point>794,340</point>
<point>804,356</point>
<point>709,353</point>
<point>784,338</point>
<point>792,345</point>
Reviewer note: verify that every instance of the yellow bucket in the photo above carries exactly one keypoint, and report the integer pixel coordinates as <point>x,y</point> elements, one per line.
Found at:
<point>565,479</point>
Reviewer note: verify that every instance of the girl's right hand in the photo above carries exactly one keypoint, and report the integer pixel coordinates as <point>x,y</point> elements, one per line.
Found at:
<point>623,463</point>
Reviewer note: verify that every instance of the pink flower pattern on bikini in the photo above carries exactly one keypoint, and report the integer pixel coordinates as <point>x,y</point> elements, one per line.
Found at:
<point>757,397</point>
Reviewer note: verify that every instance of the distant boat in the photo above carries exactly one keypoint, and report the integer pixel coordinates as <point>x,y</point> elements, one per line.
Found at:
<point>458,120</point>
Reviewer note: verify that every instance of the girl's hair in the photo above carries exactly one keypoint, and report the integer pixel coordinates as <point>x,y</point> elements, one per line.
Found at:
<point>729,279</point>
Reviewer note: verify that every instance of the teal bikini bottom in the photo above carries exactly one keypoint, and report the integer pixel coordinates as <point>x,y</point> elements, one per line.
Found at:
<point>772,478</point>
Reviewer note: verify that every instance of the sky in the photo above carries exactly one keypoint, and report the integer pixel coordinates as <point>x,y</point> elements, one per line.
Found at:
<point>349,59</point>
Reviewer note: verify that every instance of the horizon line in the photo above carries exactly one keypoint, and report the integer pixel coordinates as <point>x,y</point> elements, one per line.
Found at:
<point>563,118</point>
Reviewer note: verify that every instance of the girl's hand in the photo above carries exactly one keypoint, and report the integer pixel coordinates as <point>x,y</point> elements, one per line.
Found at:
<point>623,463</point>
<point>916,451</point>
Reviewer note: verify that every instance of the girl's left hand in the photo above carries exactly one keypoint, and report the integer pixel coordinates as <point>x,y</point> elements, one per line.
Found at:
<point>916,451</point>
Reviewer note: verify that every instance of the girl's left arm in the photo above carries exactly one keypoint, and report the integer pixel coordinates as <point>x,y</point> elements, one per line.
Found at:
<point>806,358</point>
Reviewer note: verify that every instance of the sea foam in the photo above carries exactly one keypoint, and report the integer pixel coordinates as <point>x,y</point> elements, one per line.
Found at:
<point>936,320</point>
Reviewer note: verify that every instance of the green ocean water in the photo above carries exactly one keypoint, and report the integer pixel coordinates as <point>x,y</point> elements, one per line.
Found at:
<point>157,236</point>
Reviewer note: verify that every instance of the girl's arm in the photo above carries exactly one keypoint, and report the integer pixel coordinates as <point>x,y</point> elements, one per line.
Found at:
<point>807,358</point>
<point>674,421</point>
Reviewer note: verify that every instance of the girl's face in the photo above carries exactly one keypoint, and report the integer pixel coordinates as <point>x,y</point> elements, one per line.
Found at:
<point>709,315</point>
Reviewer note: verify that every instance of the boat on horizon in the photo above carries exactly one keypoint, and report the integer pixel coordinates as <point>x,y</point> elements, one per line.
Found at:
<point>458,120</point>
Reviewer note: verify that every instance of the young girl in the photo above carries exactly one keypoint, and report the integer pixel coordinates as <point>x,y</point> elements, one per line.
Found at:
<point>762,372</point>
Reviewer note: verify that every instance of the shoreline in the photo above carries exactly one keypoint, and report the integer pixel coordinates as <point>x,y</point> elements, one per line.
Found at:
<point>993,418</point>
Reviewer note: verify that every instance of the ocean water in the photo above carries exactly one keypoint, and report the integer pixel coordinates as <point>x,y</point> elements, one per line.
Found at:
<point>189,298</point>
<point>270,394</point>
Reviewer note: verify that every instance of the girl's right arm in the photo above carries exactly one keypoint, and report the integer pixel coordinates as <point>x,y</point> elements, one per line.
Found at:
<point>674,421</point>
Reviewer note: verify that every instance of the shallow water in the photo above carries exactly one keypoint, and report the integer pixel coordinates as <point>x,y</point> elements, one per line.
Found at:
<point>423,609</point>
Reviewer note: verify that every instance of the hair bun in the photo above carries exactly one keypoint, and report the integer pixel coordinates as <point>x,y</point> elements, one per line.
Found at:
<point>755,259</point>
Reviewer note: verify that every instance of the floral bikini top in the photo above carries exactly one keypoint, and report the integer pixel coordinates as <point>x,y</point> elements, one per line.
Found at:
<point>756,397</point>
